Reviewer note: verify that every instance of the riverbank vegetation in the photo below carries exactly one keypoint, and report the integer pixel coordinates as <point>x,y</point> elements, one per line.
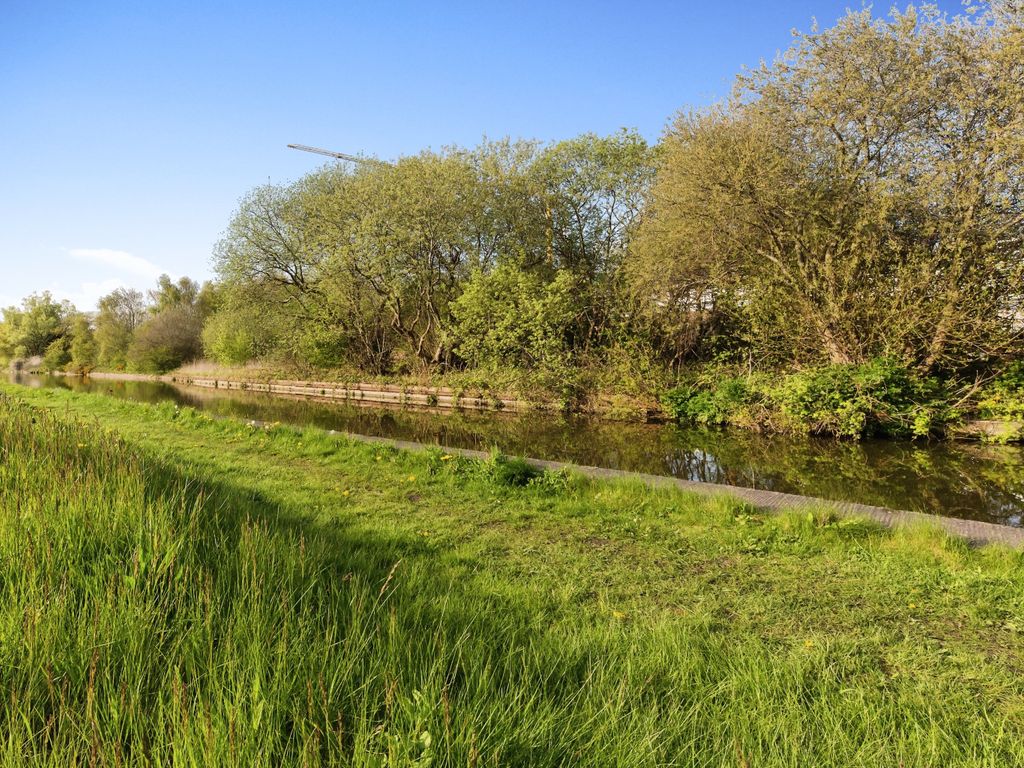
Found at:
<point>838,247</point>
<point>186,590</point>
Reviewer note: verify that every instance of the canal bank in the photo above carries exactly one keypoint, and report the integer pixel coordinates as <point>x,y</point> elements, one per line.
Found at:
<point>975,481</point>
<point>974,531</point>
<point>405,395</point>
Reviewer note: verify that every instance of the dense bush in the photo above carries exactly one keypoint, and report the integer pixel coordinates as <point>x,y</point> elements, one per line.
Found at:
<point>858,197</point>
<point>32,328</point>
<point>120,313</point>
<point>709,404</point>
<point>512,317</point>
<point>83,349</point>
<point>236,335</point>
<point>880,397</point>
<point>1004,397</point>
<point>57,355</point>
<point>166,340</point>
<point>876,398</point>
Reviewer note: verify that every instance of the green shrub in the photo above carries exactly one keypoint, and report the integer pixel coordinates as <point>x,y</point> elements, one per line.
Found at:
<point>82,349</point>
<point>1004,397</point>
<point>509,316</point>
<point>166,340</point>
<point>236,335</point>
<point>57,355</point>
<point>710,405</point>
<point>876,398</point>
<point>508,471</point>
<point>852,401</point>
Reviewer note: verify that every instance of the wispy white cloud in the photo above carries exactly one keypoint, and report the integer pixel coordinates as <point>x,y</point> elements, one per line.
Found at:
<point>120,260</point>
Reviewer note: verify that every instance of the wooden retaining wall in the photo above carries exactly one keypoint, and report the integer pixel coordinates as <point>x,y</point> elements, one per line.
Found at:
<point>427,397</point>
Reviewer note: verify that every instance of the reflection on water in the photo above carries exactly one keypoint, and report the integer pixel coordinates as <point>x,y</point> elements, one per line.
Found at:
<point>982,482</point>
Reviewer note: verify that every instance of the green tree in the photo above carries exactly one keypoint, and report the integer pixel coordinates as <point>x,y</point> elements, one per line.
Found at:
<point>170,293</point>
<point>172,333</point>
<point>236,334</point>
<point>30,329</point>
<point>56,356</point>
<point>362,265</point>
<point>82,348</point>
<point>863,196</point>
<point>512,317</point>
<point>166,340</point>
<point>594,192</point>
<point>120,313</point>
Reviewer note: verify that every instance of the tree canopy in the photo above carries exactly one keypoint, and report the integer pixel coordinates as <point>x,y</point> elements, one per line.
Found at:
<point>860,198</point>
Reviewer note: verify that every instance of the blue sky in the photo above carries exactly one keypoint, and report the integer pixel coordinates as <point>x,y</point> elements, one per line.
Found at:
<point>130,130</point>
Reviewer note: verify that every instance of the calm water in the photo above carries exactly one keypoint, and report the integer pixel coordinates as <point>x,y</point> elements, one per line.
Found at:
<point>982,482</point>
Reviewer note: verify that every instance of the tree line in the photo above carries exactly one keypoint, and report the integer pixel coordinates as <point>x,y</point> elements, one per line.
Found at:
<point>860,198</point>
<point>151,332</point>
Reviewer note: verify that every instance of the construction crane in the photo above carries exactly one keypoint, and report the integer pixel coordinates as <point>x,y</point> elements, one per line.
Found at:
<point>338,155</point>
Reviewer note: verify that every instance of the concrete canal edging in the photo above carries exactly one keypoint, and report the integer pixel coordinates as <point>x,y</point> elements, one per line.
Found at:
<point>974,531</point>
<point>383,394</point>
<point>446,398</point>
<point>386,394</point>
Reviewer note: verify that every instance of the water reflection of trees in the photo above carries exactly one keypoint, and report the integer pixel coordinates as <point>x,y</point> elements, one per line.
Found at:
<point>985,482</point>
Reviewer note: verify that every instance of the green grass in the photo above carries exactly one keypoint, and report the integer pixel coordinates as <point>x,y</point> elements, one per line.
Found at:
<point>181,591</point>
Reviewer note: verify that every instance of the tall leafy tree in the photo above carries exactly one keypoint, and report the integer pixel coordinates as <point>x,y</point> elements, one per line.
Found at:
<point>30,329</point>
<point>120,313</point>
<point>82,346</point>
<point>363,265</point>
<point>862,196</point>
<point>172,333</point>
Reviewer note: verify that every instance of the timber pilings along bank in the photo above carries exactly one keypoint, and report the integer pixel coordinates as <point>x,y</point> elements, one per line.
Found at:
<point>427,397</point>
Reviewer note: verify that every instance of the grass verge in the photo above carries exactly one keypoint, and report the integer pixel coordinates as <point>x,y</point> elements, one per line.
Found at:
<point>178,590</point>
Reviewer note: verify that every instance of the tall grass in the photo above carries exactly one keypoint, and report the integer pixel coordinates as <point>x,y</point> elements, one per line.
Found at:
<point>154,615</point>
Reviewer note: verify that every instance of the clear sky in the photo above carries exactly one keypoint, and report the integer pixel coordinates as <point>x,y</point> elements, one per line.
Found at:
<point>130,130</point>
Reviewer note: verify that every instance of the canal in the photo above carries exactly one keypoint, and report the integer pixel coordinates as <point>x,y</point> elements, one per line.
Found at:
<point>967,480</point>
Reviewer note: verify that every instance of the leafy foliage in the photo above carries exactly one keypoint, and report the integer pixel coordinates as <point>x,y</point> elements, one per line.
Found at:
<point>880,397</point>
<point>369,265</point>
<point>166,340</point>
<point>120,313</point>
<point>858,200</point>
<point>863,196</point>
<point>511,316</point>
<point>1004,397</point>
<point>172,333</point>
<point>83,350</point>
<point>32,328</point>
<point>235,335</point>
<point>718,405</point>
<point>57,355</point>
